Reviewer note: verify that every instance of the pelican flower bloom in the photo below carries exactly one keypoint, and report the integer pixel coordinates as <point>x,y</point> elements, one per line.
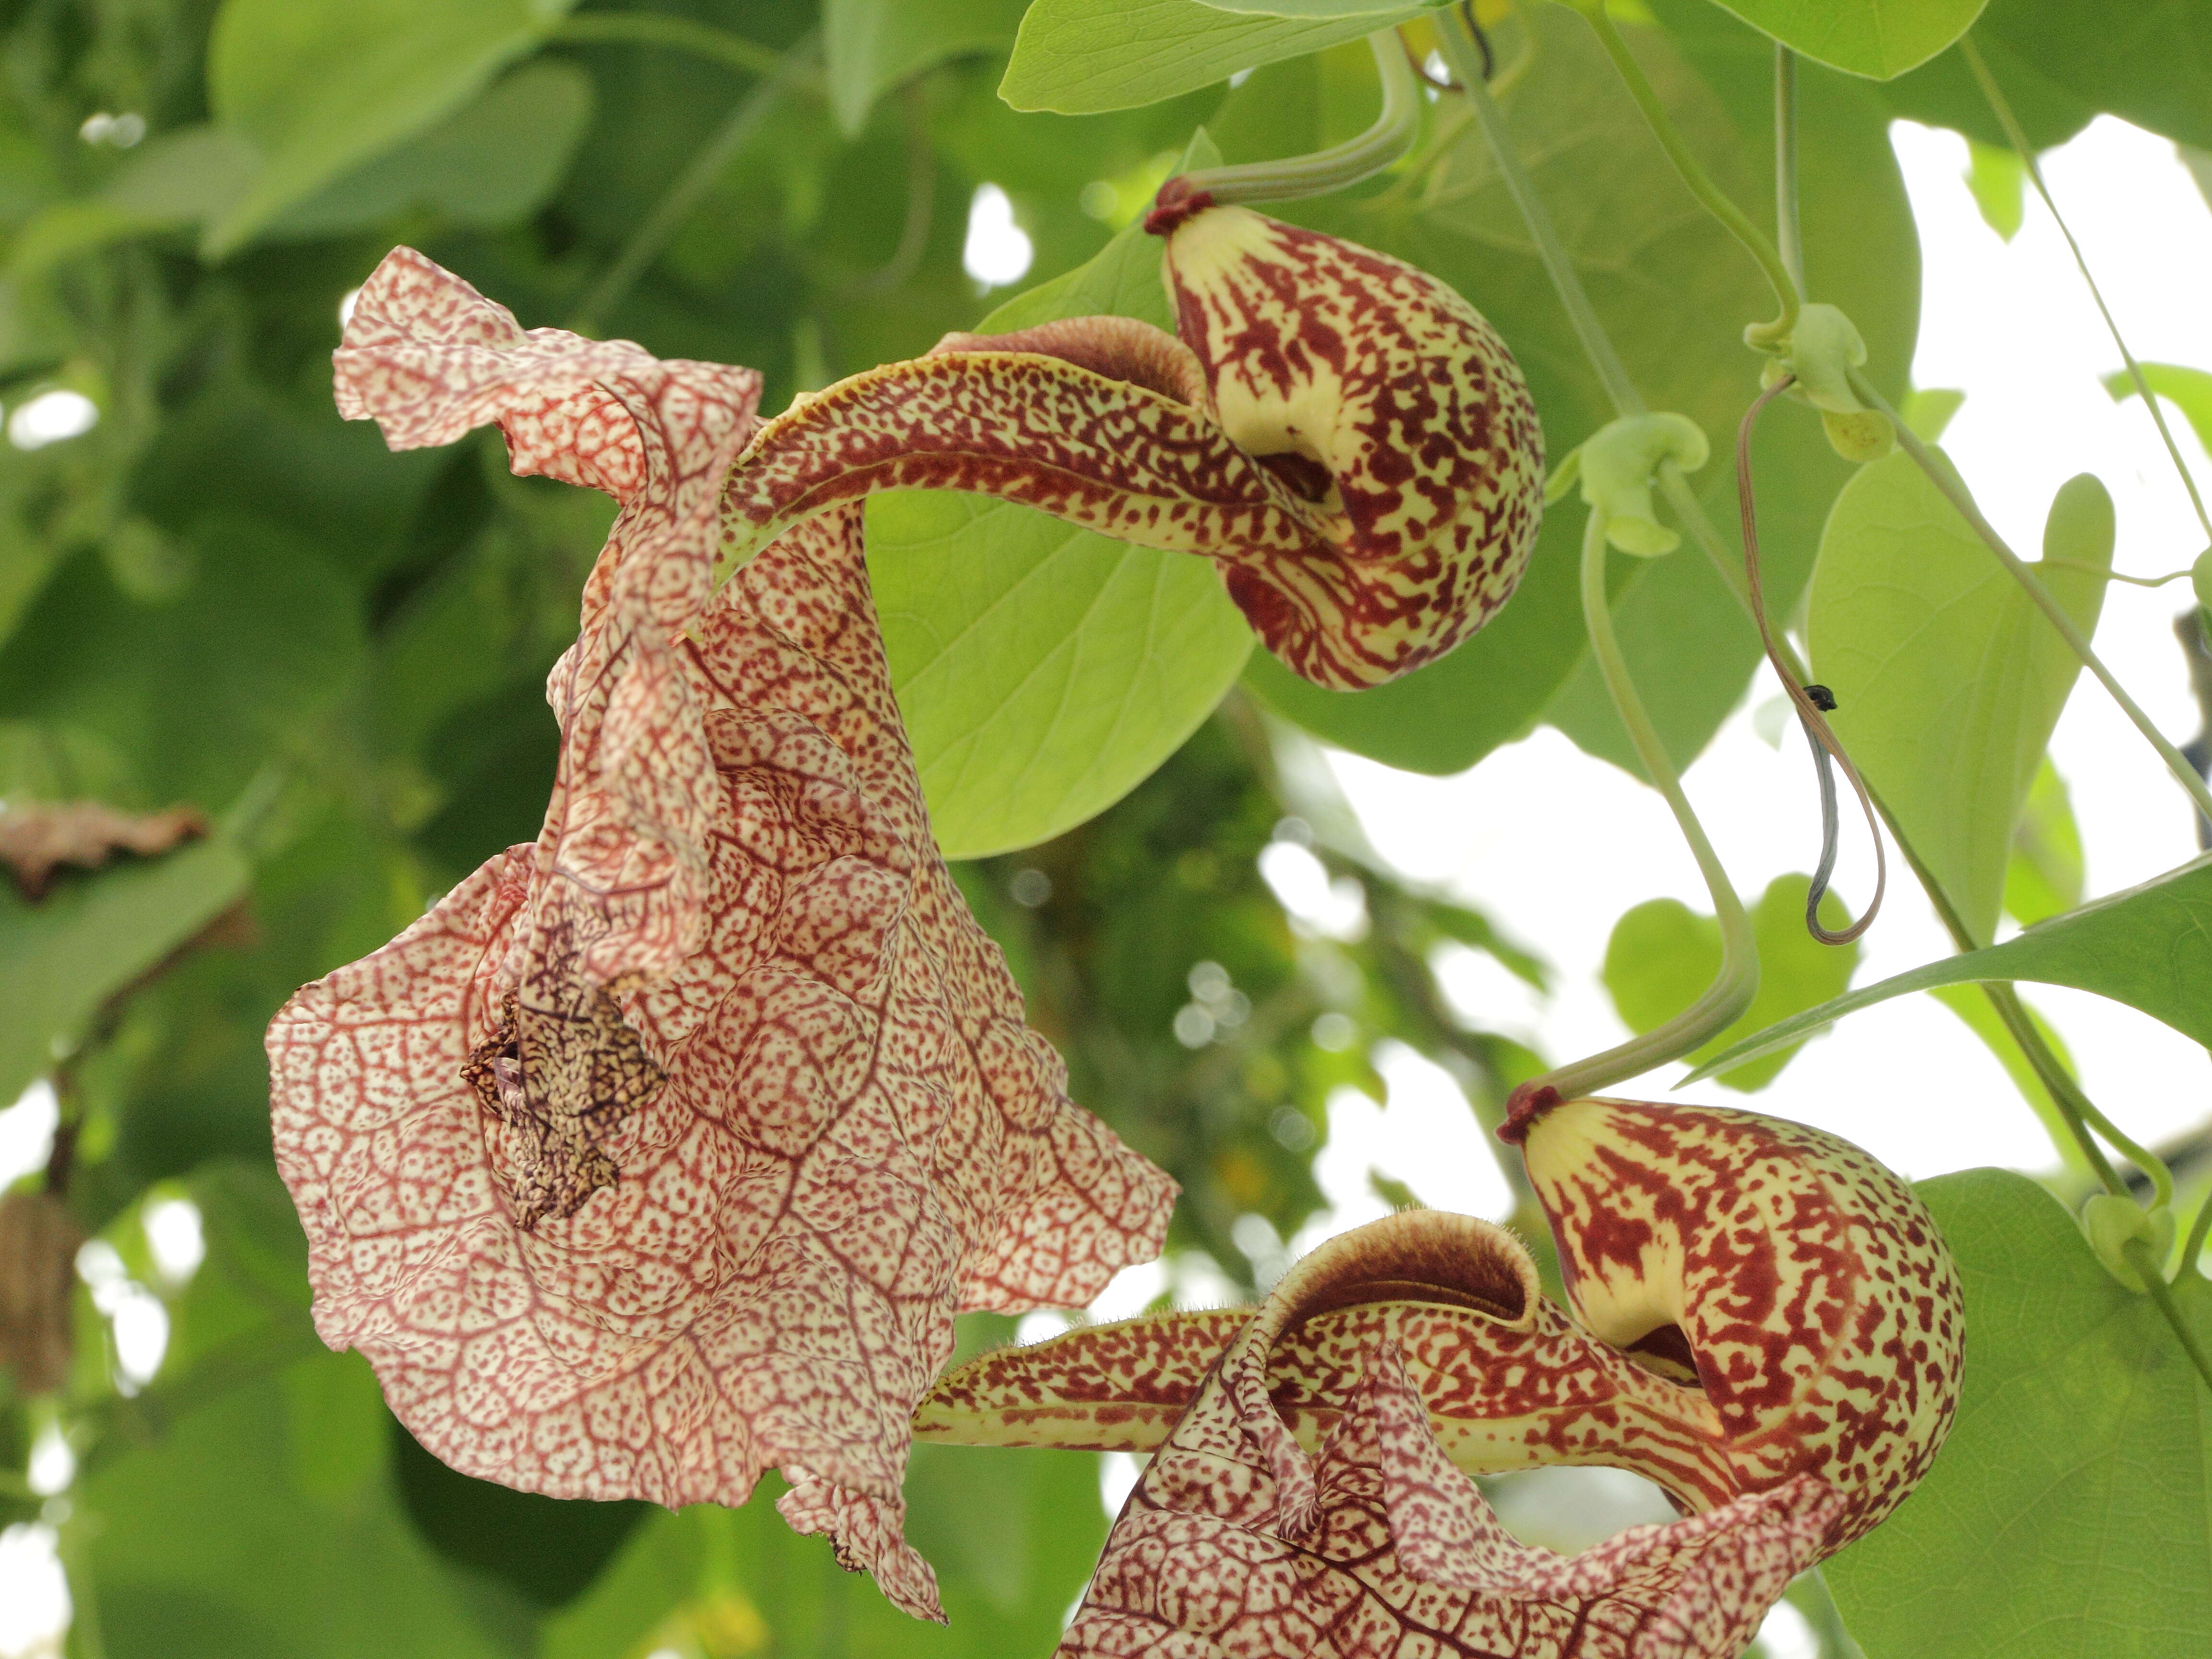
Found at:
<point>663,1151</point>
<point>1765,1323</point>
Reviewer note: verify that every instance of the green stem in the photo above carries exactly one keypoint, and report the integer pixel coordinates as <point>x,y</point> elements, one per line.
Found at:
<point>2002,108</point>
<point>1465,63</point>
<point>683,196</point>
<point>2087,568</point>
<point>2073,1105</point>
<point>648,28</point>
<point>2187,776</point>
<point>1737,981</point>
<point>1787,240</point>
<point>1389,137</point>
<point>1709,194</point>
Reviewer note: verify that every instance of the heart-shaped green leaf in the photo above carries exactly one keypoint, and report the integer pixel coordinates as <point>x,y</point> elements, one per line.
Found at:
<point>1877,38</point>
<point>1947,679</point>
<point>2069,1516</point>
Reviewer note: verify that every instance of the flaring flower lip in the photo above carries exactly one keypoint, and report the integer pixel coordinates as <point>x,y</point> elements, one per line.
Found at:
<point>1344,435</point>
<point>1237,1540</point>
<point>665,1150</point>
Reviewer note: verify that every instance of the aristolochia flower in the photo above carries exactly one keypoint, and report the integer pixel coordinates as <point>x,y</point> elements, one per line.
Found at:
<point>663,1151</point>
<point>1342,434</point>
<point>1768,1325</point>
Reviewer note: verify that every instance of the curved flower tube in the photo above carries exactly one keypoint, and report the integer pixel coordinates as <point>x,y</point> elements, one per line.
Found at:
<point>1240,1539</point>
<point>1760,1308</point>
<point>1343,434</point>
<point>615,1214</point>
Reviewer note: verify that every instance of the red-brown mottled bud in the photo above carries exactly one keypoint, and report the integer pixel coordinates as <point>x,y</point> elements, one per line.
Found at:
<point>1342,434</point>
<point>1802,1285</point>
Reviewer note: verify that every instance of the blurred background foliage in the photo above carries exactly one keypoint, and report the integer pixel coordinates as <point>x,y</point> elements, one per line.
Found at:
<point>214,593</point>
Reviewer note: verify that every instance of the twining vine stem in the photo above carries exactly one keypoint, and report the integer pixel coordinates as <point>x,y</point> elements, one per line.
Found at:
<point>1737,981</point>
<point>2002,108</point>
<point>1389,137</point>
<point>2078,1111</point>
<point>1715,200</point>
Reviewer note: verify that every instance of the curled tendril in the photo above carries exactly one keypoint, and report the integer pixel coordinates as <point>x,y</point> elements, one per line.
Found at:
<point>1813,704</point>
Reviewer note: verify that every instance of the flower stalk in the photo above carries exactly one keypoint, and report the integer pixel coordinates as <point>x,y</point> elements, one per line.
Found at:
<point>1737,981</point>
<point>1317,174</point>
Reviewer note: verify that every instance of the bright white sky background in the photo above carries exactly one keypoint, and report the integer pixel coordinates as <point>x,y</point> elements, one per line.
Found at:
<point>2010,325</point>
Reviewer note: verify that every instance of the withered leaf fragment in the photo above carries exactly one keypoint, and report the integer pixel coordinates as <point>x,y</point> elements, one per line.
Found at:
<point>1343,434</point>
<point>38,1240</point>
<point>663,1151</point>
<point>38,838</point>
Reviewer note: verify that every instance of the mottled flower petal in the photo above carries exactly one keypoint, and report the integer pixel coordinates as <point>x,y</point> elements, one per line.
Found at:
<point>428,358</point>
<point>1344,435</point>
<point>1396,1554</point>
<point>613,1234</point>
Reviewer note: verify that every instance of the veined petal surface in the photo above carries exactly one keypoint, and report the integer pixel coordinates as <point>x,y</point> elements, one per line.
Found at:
<point>648,1232</point>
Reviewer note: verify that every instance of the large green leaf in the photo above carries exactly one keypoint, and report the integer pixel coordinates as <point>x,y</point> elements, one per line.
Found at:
<point>1674,291</point>
<point>490,163</point>
<point>2149,947</point>
<point>1044,671</point>
<point>2069,1516</point>
<point>1076,55</point>
<point>869,46</point>
<point>2148,61</point>
<point>1947,679</point>
<point>1877,38</point>
<point>1662,955</point>
<point>93,933</point>
<point>318,89</point>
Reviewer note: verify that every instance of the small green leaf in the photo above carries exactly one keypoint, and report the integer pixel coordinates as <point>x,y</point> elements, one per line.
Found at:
<point>1998,178</point>
<point>317,90</point>
<point>1947,679</point>
<point>1081,56</point>
<point>1928,411</point>
<point>869,46</point>
<point>2189,389</point>
<point>2149,947</point>
<point>1046,670</point>
<point>1662,955</point>
<point>1877,38</point>
<point>2044,876</point>
<point>95,932</point>
<point>2069,1514</point>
